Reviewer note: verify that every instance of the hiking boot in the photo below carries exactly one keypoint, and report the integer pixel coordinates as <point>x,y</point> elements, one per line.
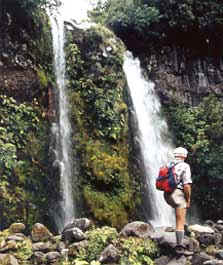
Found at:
<point>181,250</point>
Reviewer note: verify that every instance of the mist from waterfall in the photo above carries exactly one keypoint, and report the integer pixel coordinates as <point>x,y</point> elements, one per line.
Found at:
<point>62,129</point>
<point>155,143</point>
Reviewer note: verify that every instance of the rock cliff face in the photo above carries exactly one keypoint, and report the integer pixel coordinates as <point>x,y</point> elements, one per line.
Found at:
<point>25,82</point>
<point>184,74</point>
<point>23,56</point>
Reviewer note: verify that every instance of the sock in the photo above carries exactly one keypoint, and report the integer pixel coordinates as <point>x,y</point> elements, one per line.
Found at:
<point>179,237</point>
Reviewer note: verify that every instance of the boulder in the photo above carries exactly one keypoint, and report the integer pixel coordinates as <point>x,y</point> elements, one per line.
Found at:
<point>8,259</point>
<point>38,257</point>
<point>76,247</point>
<point>52,256</point>
<point>138,229</point>
<point>219,254</point>
<point>17,228</point>
<point>207,239</point>
<point>213,262</point>
<point>81,223</point>
<point>219,227</point>
<point>42,246</point>
<point>178,261</point>
<point>201,229</point>
<point>200,258</point>
<point>10,245</point>
<point>109,255</point>
<point>193,245</point>
<point>40,233</point>
<point>162,260</point>
<point>73,235</point>
<point>15,238</point>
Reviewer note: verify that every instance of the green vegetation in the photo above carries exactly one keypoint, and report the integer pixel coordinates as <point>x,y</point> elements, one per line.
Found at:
<point>200,129</point>
<point>23,162</point>
<point>98,239</point>
<point>131,250</point>
<point>126,15</point>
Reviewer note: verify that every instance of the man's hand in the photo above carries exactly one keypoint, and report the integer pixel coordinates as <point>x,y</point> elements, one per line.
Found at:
<point>187,194</point>
<point>188,205</point>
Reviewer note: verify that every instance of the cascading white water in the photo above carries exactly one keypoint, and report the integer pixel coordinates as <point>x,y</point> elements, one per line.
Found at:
<point>155,145</point>
<point>62,129</point>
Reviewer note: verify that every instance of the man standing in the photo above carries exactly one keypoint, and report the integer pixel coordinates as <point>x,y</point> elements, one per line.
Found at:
<point>179,199</point>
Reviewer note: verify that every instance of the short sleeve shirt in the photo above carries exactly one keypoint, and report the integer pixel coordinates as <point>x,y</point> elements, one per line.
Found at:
<point>183,173</point>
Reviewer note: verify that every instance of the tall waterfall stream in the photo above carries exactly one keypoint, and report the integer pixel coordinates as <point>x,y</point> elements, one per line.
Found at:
<point>152,134</point>
<point>62,129</point>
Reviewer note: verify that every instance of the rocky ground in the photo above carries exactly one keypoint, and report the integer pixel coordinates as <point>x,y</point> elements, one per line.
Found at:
<point>81,243</point>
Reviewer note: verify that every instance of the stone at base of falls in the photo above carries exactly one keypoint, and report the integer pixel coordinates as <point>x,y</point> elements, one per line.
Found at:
<point>81,223</point>
<point>178,261</point>
<point>52,256</point>
<point>201,229</point>
<point>17,228</point>
<point>73,235</point>
<point>138,229</point>
<point>8,259</point>
<point>165,260</point>
<point>42,246</point>
<point>109,255</point>
<point>40,233</point>
<point>162,260</point>
<point>200,258</point>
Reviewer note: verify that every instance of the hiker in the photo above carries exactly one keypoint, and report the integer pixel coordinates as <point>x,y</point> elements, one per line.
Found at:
<point>179,199</point>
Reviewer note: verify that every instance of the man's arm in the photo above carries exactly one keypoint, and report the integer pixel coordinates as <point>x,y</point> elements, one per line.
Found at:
<point>187,193</point>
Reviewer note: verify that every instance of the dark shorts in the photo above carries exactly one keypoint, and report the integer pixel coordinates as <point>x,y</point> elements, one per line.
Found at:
<point>176,199</point>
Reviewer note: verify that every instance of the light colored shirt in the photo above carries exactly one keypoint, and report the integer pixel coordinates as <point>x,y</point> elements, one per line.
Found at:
<point>183,172</point>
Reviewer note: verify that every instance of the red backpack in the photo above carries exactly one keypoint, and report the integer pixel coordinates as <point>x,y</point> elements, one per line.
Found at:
<point>167,179</point>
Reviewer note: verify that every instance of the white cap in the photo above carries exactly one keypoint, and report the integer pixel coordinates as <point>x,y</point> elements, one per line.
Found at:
<point>180,152</point>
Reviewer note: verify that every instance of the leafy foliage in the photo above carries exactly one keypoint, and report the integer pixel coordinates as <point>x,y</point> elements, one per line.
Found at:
<point>20,165</point>
<point>170,20</point>
<point>201,130</point>
<point>124,16</point>
<point>98,239</point>
<point>138,251</point>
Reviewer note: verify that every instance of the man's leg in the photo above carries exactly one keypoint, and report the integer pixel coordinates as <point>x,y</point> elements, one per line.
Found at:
<point>180,221</point>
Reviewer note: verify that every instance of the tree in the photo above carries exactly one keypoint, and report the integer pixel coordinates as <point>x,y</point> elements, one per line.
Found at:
<point>200,129</point>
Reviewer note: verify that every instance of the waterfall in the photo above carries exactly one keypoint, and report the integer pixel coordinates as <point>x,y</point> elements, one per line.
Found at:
<point>62,129</point>
<point>155,144</point>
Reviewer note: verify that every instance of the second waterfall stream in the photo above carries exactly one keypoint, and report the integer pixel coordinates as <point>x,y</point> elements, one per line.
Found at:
<point>152,134</point>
